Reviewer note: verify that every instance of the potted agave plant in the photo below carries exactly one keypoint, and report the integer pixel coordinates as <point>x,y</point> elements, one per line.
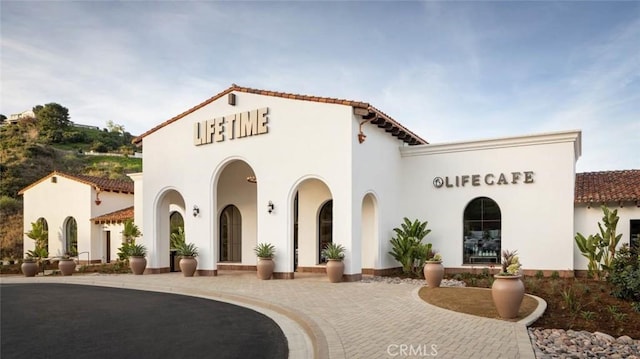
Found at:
<point>186,251</point>
<point>335,267</point>
<point>434,271</point>
<point>137,260</point>
<point>507,290</point>
<point>265,266</point>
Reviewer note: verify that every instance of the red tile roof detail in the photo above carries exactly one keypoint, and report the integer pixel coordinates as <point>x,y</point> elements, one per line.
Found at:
<point>412,138</point>
<point>99,183</point>
<point>608,186</point>
<point>115,217</point>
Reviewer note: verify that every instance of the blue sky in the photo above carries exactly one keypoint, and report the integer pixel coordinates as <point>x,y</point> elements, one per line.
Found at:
<point>449,71</point>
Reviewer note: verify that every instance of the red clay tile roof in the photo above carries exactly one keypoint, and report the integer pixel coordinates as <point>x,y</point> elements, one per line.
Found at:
<point>609,186</point>
<point>100,184</point>
<point>115,217</point>
<point>376,116</point>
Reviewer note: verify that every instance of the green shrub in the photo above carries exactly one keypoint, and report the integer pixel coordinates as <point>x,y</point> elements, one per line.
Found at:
<point>407,247</point>
<point>555,275</point>
<point>624,275</point>
<point>539,274</point>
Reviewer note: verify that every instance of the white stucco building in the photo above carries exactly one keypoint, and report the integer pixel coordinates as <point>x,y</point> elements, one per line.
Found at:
<point>249,166</point>
<point>82,214</point>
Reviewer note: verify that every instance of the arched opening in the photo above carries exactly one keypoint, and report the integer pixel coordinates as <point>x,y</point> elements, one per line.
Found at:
<point>230,235</point>
<point>237,214</point>
<point>71,237</point>
<point>482,231</point>
<point>169,211</point>
<point>45,231</point>
<point>325,228</point>
<point>312,219</point>
<point>176,225</point>
<point>369,233</point>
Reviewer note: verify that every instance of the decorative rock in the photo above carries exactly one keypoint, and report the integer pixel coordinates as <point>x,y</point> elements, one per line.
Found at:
<point>556,343</point>
<point>625,339</point>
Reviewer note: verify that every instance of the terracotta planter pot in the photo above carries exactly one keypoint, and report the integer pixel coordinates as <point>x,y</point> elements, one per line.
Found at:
<point>265,268</point>
<point>507,292</point>
<point>335,269</point>
<point>67,266</point>
<point>29,269</point>
<point>433,273</point>
<point>137,264</point>
<point>188,266</point>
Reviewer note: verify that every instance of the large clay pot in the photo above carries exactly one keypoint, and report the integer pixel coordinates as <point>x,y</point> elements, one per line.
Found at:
<point>335,269</point>
<point>30,268</point>
<point>67,266</point>
<point>433,273</point>
<point>137,264</point>
<point>265,268</point>
<point>507,292</point>
<point>188,266</point>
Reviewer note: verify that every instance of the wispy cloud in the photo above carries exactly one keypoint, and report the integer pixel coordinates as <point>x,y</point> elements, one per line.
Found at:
<point>447,70</point>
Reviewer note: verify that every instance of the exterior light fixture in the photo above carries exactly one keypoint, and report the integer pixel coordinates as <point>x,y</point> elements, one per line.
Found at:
<point>361,135</point>
<point>270,207</point>
<point>252,179</point>
<point>98,201</point>
<point>196,211</point>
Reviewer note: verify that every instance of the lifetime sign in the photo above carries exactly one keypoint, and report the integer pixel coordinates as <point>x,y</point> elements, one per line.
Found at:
<point>238,125</point>
<point>488,179</point>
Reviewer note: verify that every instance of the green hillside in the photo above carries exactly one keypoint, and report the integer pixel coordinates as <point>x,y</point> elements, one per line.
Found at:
<point>34,147</point>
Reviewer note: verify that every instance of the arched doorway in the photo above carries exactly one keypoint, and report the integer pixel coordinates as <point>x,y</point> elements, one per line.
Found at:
<point>230,235</point>
<point>236,215</point>
<point>325,228</point>
<point>482,225</point>
<point>369,233</point>
<point>71,237</point>
<point>312,220</point>
<point>176,228</point>
<point>169,203</point>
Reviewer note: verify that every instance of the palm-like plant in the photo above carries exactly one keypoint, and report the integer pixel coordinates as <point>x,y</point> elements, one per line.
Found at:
<point>130,232</point>
<point>184,249</point>
<point>407,247</point>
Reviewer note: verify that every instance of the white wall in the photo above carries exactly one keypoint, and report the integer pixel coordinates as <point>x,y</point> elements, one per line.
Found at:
<point>305,140</point>
<point>586,223</point>
<point>69,198</point>
<point>55,202</point>
<point>537,218</point>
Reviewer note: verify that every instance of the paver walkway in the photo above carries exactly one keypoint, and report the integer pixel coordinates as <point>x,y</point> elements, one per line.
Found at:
<point>340,320</point>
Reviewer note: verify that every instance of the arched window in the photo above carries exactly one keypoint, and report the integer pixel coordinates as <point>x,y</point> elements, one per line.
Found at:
<point>482,231</point>
<point>230,235</point>
<point>71,236</point>
<point>45,232</point>
<point>325,228</point>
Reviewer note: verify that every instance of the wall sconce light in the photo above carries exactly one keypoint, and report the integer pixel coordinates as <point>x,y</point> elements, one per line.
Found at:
<point>98,201</point>
<point>252,179</point>
<point>270,207</point>
<point>196,211</point>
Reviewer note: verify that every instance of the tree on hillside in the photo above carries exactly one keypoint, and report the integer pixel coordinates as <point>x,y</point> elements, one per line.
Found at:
<point>114,127</point>
<point>2,117</point>
<point>53,121</point>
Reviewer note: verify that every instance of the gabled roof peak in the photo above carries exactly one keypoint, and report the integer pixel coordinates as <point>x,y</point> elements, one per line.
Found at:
<point>368,112</point>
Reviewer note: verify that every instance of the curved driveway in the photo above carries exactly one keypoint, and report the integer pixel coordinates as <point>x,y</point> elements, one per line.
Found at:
<point>340,320</point>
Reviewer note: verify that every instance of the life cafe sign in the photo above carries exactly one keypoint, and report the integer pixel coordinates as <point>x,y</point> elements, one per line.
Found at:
<point>238,125</point>
<point>488,179</point>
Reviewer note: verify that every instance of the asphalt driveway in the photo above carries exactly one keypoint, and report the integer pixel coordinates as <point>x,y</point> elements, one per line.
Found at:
<point>76,321</point>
